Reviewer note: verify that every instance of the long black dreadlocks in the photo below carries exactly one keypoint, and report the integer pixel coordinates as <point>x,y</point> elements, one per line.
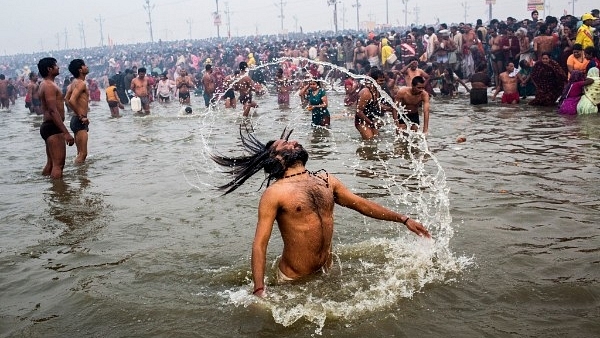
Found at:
<point>244,167</point>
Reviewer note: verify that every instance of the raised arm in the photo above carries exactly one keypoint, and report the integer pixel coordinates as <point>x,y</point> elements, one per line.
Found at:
<point>303,90</point>
<point>344,197</point>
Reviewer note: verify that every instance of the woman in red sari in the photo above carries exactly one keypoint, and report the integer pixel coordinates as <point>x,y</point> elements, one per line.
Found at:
<point>94,90</point>
<point>549,79</point>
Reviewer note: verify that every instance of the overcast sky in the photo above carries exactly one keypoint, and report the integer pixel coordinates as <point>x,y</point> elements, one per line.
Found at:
<point>41,25</point>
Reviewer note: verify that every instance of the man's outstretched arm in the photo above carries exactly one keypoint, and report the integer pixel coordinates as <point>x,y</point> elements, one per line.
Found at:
<point>344,197</point>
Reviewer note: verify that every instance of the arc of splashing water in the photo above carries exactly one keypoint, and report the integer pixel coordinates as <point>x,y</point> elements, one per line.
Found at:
<point>438,201</point>
<point>384,95</point>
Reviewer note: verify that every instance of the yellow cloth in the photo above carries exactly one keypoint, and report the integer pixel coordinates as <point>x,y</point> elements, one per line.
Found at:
<point>251,61</point>
<point>584,36</point>
<point>386,51</point>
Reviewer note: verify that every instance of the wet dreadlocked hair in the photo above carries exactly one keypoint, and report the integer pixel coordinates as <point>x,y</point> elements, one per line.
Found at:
<point>261,157</point>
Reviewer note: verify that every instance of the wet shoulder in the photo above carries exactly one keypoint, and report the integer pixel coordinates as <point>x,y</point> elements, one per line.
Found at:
<point>280,189</point>
<point>365,93</point>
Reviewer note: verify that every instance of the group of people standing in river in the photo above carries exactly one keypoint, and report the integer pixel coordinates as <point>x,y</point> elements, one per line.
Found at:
<point>524,58</point>
<point>547,53</point>
<point>307,227</point>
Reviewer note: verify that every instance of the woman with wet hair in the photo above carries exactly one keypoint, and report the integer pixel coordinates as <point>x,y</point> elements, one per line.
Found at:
<point>317,103</point>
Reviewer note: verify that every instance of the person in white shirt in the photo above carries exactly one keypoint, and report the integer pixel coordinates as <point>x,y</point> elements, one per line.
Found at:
<point>164,88</point>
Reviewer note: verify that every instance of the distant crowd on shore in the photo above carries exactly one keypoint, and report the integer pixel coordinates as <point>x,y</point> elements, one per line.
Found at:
<point>444,55</point>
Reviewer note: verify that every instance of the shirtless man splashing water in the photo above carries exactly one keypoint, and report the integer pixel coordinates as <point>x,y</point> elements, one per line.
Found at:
<point>302,203</point>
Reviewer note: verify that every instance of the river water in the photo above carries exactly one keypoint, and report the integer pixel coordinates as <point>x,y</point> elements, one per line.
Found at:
<point>138,243</point>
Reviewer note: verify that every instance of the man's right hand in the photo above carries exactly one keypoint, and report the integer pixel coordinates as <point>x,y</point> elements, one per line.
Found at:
<point>417,228</point>
<point>69,139</point>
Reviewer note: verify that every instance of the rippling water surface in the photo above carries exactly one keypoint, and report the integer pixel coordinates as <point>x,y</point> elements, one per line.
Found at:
<point>137,243</point>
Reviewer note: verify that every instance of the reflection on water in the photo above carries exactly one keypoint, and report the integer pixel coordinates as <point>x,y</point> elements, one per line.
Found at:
<point>137,242</point>
<point>78,210</point>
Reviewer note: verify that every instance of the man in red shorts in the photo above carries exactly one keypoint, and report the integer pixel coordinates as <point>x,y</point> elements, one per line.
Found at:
<point>508,83</point>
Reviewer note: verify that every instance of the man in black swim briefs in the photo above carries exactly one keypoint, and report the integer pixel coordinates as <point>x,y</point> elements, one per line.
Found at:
<point>53,130</point>
<point>48,128</point>
<point>78,98</point>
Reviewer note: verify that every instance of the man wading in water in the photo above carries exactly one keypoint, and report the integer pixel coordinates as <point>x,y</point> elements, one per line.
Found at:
<point>302,204</point>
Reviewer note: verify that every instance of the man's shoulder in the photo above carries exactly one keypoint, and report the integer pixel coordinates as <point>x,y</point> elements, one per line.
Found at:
<point>277,191</point>
<point>45,84</point>
<point>364,91</point>
<point>403,90</point>
<point>401,93</point>
<point>81,84</point>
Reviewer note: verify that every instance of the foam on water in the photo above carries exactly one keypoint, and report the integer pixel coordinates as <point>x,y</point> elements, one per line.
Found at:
<point>371,274</point>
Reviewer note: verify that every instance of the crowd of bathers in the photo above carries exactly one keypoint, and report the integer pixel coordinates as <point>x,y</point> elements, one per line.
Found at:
<point>458,49</point>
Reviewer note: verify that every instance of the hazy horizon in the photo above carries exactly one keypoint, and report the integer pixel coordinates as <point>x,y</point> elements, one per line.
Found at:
<point>34,27</point>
